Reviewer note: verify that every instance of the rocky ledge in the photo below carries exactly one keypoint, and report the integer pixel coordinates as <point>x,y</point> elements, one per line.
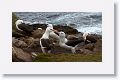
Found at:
<point>26,47</point>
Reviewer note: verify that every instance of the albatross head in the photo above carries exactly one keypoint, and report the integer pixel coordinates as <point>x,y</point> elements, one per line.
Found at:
<point>19,22</point>
<point>49,29</point>
<point>85,35</point>
<point>47,32</point>
<point>61,34</point>
<point>50,25</point>
<point>62,39</point>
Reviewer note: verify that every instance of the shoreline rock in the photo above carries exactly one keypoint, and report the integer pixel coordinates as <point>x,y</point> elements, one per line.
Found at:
<point>24,46</point>
<point>18,55</point>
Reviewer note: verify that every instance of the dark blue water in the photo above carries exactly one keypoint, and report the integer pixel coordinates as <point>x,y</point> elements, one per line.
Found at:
<point>90,22</point>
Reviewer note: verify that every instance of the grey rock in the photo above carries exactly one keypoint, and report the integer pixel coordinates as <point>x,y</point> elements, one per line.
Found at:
<point>19,55</point>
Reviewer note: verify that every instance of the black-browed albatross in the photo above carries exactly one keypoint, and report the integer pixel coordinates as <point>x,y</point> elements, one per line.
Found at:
<point>70,44</point>
<point>22,27</point>
<point>44,40</point>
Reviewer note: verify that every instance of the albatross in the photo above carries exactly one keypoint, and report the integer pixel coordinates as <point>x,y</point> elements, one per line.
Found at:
<point>44,40</point>
<point>22,27</point>
<point>55,34</point>
<point>69,44</point>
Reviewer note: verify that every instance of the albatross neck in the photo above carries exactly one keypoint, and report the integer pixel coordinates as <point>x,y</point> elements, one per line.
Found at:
<point>62,39</point>
<point>46,35</point>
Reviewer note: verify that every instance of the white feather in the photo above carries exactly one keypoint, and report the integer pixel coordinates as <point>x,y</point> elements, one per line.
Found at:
<point>18,22</point>
<point>62,41</point>
<point>85,35</point>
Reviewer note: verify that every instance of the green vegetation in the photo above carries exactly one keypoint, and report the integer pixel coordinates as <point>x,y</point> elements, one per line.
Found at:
<point>69,58</point>
<point>14,19</point>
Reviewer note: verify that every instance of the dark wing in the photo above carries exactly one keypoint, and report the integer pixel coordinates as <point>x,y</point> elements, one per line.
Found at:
<point>25,27</point>
<point>74,42</point>
<point>46,43</point>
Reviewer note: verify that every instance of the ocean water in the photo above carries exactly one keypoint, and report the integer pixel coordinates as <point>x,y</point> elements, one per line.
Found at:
<point>90,22</point>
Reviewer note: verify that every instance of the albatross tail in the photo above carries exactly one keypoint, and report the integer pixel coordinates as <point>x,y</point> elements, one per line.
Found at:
<point>68,47</point>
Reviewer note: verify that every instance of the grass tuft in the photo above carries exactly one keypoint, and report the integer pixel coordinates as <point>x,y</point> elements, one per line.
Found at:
<point>14,19</point>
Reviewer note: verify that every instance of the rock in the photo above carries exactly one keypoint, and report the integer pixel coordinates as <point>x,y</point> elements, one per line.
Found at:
<point>71,31</point>
<point>66,29</point>
<point>91,39</point>
<point>35,44</point>
<point>14,40</point>
<point>96,36</point>
<point>89,46</point>
<point>79,35</point>
<point>22,38</point>
<point>72,37</point>
<point>29,41</point>
<point>17,34</point>
<point>18,55</point>
<point>32,43</point>
<point>98,46</point>
<point>86,51</point>
<point>18,43</point>
<point>37,33</point>
<point>75,37</point>
<point>37,25</point>
<point>80,45</point>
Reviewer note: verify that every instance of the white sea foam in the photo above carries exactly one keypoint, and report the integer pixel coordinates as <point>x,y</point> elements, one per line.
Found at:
<point>93,30</point>
<point>83,21</point>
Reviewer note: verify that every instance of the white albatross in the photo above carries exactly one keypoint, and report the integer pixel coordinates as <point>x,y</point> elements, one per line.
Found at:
<point>62,42</point>
<point>44,40</point>
<point>70,44</point>
<point>55,34</point>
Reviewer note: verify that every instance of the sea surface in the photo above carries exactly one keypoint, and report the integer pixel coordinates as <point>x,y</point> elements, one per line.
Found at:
<point>90,22</point>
